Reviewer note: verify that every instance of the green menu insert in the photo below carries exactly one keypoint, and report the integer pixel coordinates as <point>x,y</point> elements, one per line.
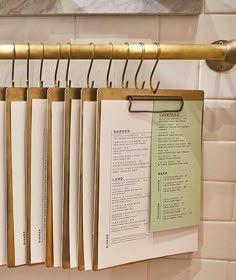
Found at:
<point>176,167</point>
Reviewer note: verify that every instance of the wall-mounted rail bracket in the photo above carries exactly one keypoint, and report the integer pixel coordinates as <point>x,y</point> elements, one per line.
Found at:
<point>223,65</point>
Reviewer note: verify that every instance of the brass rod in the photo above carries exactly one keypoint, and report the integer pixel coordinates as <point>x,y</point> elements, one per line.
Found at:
<point>82,51</point>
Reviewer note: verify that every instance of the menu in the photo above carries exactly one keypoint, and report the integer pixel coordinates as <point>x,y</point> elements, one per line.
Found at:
<point>176,167</point>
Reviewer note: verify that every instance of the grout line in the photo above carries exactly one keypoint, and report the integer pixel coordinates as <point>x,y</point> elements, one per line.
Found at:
<point>217,221</point>
<point>76,20</point>
<point>214,181</point>
<point>160,23</point>
<point>203,140</point>
<point>233,204</point>
<point>198,259</point>
<point>227,270</point>
<point>147,269</point>
<point>221,13</point>
<point>221,141</point>
<point>199,73</point>
<point>159,28</point>
<point>220,99</point>
<point>74,27</point>
<point>220,181</point>
<point>204,7</point>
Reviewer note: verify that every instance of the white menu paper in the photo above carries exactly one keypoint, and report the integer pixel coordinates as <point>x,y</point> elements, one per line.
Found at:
<point>74,181</point>
<point>38,182</point>
<point>89,140</point>
<point>3,186</point>
<point>18,142</point>
<point>124,234</point>
<point>57,178</point>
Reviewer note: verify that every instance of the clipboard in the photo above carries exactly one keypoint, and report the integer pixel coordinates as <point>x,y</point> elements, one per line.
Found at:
<point>3,181</point>
<point>130,96</point>
<point>88,95</point>
<point>13,94</point>
<point>34,93</point>
<point>54,95</point>
<point>75,94</point>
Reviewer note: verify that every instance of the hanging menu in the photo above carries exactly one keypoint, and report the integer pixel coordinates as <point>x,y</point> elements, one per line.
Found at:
<point>176,167</point>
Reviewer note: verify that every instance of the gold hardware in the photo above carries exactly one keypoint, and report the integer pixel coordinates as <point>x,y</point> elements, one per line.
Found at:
<point>230,56</point>
<point>41,66</point>
<point>125,85</point>
<point>154,98</point>
<point>221,65</point>
<point>210,52</point>
<point>90,67</point>
<point>154,90</point>
<point>13,65</point>
<point>140,64</point>
<point>83,51</point>
<point>109,83</point>
<point>57,83</point>
<point>68,83</point>
<point>27,67</point>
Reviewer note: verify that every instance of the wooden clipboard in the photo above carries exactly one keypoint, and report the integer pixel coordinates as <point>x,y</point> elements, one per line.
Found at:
<point>88,94</point>
<point>129,95</point>
<point>12,94</point>
<point>33,93</point>
<point>70,93</point>
<point>4,199</point>
<point>54,95</point>
<point>3,94</point>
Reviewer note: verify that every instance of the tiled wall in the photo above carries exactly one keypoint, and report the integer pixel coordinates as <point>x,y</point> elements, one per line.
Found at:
<point>216,258</point>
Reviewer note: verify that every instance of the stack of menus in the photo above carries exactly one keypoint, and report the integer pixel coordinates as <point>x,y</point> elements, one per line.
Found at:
<point>95,178</point>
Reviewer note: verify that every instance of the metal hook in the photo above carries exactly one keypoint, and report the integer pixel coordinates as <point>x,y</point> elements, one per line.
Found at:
<point>57,83</point>
<point>90,67</point>
<point>154,90</point>
<point>27,67</point>
<point>109,83</point>
<point>68,83</point>
<point>13,65</point>
<point>41,66</point>
<point>125,68</point>
<point>137,72</point>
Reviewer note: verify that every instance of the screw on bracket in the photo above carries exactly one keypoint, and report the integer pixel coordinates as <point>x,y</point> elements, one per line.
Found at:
<point>219,65</point>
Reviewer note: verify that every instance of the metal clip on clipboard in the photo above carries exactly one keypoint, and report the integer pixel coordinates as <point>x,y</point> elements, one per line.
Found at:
<point>154,98</point>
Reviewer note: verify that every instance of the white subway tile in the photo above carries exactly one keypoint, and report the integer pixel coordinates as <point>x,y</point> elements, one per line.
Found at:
<point>212,28</point>
<point>219,161</point>
<point>181,256</point>
<point>217,201</point>
<point>217,241</point>
<point>180,269</point>
<point>33,272</point>
<point>136,271</point>
<point>220,6</point>
<point>217,85</point>
<point>172,74</point>
<point>231,271</point>
<point>219,120</point>
<point>37,29</point>
<point>122,26</point>
<point>34,30</point>
<point>215,27</point>
<point>178,29</point>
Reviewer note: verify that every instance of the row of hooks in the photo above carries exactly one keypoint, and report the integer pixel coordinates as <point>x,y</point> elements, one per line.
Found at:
<point>90,85</point>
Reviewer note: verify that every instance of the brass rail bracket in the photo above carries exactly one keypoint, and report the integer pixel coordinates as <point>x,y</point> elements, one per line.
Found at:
<point>220,65</point>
